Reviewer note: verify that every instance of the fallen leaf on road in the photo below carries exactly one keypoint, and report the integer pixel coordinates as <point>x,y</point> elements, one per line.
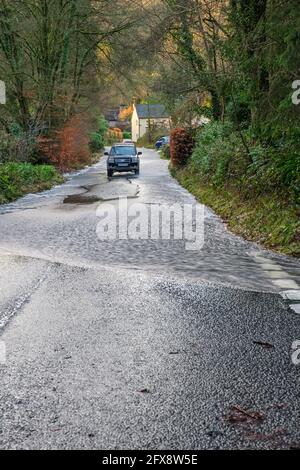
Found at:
<point>257,436</point>
<point>278,406</point>
<point>264,345</point>
<point>250,414</point>
<point>239,415</point>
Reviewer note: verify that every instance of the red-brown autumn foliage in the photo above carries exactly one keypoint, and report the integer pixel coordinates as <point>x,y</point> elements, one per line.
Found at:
<point>181,146</point>
<point>115,134</point>
<point>70,147</point>
<point>48,149</point>
<point>118,133</point>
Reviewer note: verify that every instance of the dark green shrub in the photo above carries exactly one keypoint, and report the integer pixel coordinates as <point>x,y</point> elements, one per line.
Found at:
<point>97,138</point>
<point>126,135</point>
<point>21,147</point>
<point>219,154</point>
<point>17,179</point>
<point>165,152</point>
<point>220,157</point>
<point>96,142</point>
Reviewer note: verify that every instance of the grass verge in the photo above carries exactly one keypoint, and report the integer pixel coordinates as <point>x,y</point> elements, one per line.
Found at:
<point>266,219</point>
<point>18,179</point>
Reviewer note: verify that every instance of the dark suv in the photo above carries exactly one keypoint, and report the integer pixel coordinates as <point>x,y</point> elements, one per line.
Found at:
<point>123,157</point>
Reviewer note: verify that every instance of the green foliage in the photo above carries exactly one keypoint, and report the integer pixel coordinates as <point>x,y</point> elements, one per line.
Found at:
<point>97,138</point>
<point>221,158</point>
<point>126,135</point>
<point>264,50</point>
<point>213,150</point>
<point>18,146</point>
<point>260,200</point>
<point>16,179</point>
<point>270,170</point>
<point>166,152</point>
<point>264,218</point>
<point>96,142</point>
<point>51,55</point>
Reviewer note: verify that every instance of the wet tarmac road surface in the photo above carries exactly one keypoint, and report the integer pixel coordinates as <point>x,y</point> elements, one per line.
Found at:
<point>140,343</point>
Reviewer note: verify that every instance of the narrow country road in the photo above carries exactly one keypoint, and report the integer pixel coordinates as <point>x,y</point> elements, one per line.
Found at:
<point>141,344</point>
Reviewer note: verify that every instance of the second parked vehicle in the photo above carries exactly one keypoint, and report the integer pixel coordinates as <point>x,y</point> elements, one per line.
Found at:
<point>123,157</point>
<point>162,142</point>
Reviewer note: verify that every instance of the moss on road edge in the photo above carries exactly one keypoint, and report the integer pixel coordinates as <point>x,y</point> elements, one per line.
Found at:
<point>265,219</point>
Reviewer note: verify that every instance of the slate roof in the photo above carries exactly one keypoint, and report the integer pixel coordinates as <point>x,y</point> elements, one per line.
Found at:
<point>112,114</point>
<point>155,111</point>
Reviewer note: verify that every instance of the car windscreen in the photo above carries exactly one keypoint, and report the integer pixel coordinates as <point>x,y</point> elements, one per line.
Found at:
<point>126,150</point>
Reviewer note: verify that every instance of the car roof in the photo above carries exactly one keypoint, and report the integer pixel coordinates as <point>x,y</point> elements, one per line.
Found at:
<point>125,144</point>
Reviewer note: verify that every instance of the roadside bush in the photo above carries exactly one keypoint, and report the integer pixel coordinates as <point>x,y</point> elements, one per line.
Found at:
<point>208,142</point>
<point>113,135</point>
<point>118,132</point>
<point>220,158</point>
<point>96,142</point>
<point>181,147</point>
<point>7,147</point>
<point>97,138</point>
<point>69,148</point>
<point>277,167</point>
<point>21,147</point>
<point>17,179</point>
<point>165,152</point>
<point>219,155</point>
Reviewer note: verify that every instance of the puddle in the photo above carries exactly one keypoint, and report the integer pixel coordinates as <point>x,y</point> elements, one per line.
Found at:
<point>81,199</point>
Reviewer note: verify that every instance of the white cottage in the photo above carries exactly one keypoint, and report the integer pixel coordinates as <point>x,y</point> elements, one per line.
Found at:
<point>142,113</point>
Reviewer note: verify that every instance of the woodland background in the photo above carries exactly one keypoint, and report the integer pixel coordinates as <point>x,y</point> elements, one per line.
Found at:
<point>65,62</point>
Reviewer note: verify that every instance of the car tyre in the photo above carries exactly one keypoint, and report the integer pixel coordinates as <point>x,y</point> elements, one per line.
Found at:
<point>137,172</point>
<point>110,173</point>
